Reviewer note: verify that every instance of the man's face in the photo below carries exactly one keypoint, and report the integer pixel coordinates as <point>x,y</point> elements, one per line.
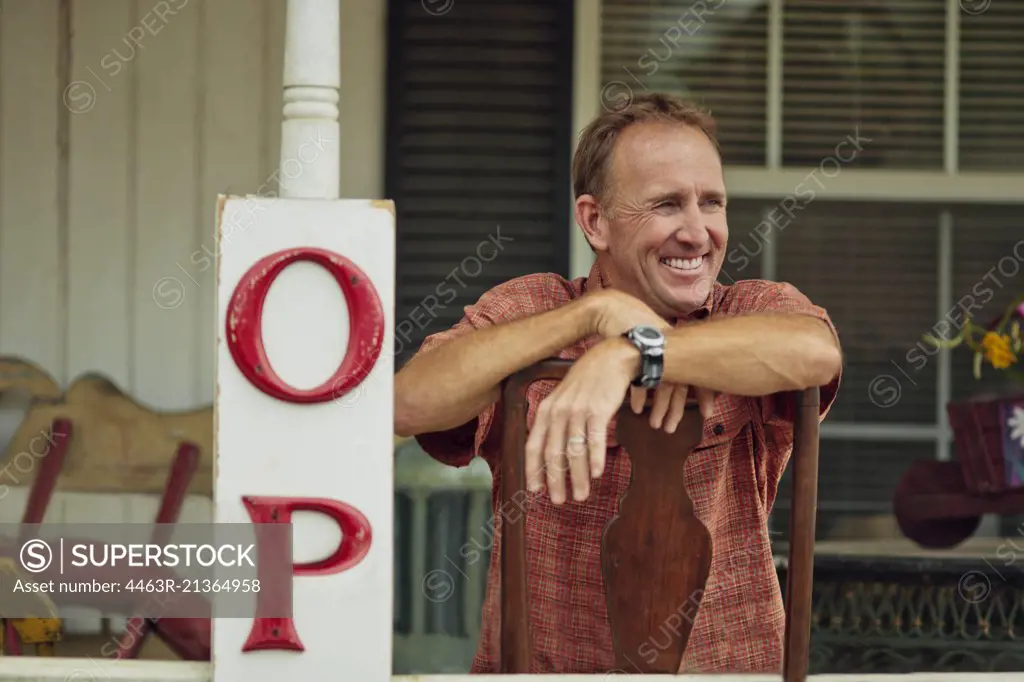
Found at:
<point>666,230</point>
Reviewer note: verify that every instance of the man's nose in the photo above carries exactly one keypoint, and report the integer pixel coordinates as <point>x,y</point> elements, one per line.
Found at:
<point>692,230</point>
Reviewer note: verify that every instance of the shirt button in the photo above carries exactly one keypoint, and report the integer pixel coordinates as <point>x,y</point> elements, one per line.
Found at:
<point>719,429</point>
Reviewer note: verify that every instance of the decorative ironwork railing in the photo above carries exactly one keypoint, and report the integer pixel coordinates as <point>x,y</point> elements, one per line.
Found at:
<point>894,614</point>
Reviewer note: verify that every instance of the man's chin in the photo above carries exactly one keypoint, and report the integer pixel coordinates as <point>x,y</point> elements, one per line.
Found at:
<point>688,298</point>
<point>676,306</point>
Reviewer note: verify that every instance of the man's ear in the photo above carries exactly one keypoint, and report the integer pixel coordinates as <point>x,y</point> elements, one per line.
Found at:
<point>593,223</point>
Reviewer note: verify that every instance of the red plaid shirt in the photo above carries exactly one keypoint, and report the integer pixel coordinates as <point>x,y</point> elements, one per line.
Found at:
<point>732,477</point>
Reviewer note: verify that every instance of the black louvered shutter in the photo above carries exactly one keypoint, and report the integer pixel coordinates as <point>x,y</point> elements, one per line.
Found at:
<point>478,151</point>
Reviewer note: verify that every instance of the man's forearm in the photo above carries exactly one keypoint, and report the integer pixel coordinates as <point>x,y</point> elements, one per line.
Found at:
<point>753,355</point>
<point>452,383</point>
<point>749,355</point>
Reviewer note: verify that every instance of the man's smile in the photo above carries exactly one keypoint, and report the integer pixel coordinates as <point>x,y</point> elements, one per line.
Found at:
<point>683,271</point>
<point>683,264</point>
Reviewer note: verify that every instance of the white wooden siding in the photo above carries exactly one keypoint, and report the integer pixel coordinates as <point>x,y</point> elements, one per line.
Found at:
<point>160,116</point>
<point>157,128</point>
<point>32,312</point>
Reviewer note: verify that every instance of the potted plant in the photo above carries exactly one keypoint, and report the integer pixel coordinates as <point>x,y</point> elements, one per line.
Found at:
<point>940,504</point>
<point>990,431</point>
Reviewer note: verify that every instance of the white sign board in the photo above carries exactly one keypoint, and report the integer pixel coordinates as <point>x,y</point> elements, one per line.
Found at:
<point>304,400</point>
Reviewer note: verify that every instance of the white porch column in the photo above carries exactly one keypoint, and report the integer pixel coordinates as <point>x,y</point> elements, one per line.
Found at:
<point>305,391</point>
<point>310,157</point>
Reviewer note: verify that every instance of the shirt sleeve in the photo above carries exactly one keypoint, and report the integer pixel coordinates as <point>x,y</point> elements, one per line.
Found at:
<point>504,303</point>
<point>779,409</point>
<point>777,412</point>
<point>458,446</point>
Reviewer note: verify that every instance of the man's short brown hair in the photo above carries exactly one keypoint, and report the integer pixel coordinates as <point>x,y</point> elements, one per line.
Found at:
<point>593,153</point>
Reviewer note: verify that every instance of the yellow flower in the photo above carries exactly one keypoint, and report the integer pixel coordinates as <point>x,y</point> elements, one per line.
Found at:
<point>997,350</point>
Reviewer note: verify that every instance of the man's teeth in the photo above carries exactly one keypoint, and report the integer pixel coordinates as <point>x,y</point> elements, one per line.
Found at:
<point>683,263</point>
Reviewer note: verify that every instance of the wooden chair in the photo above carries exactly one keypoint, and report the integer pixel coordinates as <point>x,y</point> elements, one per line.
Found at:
<point>680,560</point>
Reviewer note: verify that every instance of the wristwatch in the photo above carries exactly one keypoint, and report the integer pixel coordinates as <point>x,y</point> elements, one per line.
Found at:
<point>651,344</point>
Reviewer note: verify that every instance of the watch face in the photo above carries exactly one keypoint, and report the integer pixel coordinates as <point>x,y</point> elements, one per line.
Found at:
<point>649,333</point>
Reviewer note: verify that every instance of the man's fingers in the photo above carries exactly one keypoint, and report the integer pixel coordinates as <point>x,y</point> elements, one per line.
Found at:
<point>662,400</point>
<point>597,443</point>
<point>578,454</point>
<point>676,409</point>
<point>555,466</point>
<point>637,398</point>
<point>535,449</point>
<point>706,401</point>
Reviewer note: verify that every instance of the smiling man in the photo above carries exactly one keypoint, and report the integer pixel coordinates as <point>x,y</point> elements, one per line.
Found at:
<point>651,200</point>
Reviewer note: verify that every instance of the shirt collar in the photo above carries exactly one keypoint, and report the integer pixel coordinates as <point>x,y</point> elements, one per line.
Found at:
<point>597,280</point>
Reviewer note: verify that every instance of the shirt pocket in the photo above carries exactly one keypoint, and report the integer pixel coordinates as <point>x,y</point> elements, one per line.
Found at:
<point>710,467</point>
<point>730,416</point>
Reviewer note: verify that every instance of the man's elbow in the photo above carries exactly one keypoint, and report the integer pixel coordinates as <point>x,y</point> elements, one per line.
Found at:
<point>421,411</point>
<point>403,429</point>
<point>823,363</point>
<point>407,426</point>
<point>407,422</point>
<point>405,407</point>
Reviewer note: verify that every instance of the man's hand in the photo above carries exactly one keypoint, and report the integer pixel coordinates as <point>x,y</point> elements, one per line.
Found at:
<point>569,432</point>
<point>613,314</point>
<point>669,404</point>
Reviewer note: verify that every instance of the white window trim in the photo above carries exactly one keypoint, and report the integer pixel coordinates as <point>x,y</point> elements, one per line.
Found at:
<point>858,184</point>
<point>586,107</point>
<point>951,106</point>
<point>944,379</point>
<point>773,85</point>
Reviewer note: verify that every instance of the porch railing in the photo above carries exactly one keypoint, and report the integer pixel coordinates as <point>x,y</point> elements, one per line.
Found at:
<point>443,538</point>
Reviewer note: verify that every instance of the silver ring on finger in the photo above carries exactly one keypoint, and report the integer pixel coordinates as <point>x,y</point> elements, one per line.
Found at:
<point>576,446</point>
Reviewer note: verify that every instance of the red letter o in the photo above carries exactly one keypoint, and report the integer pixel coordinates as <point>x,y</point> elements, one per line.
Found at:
<point>245,325</point>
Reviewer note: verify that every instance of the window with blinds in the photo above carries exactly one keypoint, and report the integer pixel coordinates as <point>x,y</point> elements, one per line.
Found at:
<point>879,66</point>
<point>992,88</point>
<point>719,59</point>
<point>748,241</point>
<point>882,296</point>
<point>842,506</point>
<point>936,87</point>
<point>867,65</point>
<point>874,268</point>
<point>478,152</point>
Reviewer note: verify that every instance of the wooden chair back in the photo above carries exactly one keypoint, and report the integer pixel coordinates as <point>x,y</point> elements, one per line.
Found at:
<point>649,575</point>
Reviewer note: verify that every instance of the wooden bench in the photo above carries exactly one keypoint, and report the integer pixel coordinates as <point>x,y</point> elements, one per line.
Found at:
<point>91,445</point>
